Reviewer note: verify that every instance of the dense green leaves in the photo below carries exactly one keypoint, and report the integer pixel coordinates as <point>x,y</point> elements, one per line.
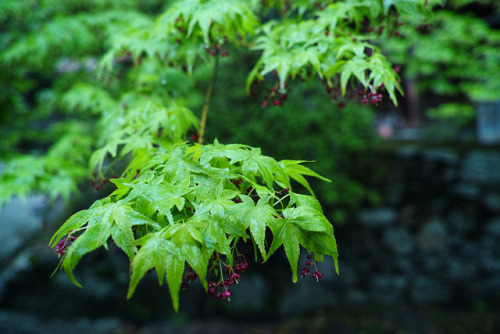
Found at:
<point>56,173</point>
<point>188,207</point>
<point>214,20</point>
<point>327,41</point>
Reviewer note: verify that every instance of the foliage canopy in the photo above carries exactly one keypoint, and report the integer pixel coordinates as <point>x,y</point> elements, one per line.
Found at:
<point>112,81</point>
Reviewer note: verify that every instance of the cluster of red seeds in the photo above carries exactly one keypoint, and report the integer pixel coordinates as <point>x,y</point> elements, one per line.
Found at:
<point>188,278</point>
<point>274,96</point>
<point>277,97</point>
<point>307,270</point>
<point>392,27</point>
<point>62,245</point>
<point>98,184</point>
<point>371,97</point>
<point>124,57</point>
<point>219,289</point>
<point>215,49</point>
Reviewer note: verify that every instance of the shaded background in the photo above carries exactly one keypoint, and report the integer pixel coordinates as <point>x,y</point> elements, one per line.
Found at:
<point>414,198</point>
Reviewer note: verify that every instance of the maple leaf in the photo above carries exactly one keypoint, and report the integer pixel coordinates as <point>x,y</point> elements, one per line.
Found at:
<point>305,200</point>
<point>167,251</point>
<point>102,221</point>
<point>190,241</point>
<point>97,158</point>
<point>73,223</point>
<point>257,164</point>
<point>295,170</point>
<point>214,233</point>
<point>161,198</point>
<point>234,152</point>
<point>176,165</point>
<point>302,226</point>
<point>357,66</point>
<point>216,201</point>
<point>162,255</point>
<point>256,217</point>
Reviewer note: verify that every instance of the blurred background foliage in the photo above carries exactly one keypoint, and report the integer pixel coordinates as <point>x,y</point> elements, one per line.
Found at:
<point>453,53</point>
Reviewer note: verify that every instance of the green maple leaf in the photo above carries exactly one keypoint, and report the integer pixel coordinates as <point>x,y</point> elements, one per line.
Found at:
<point>163,255</point>
<point>256,217</point>
<point>176,165</point>
<point>216,201</point>
<point>307,218</point>
<point>97,158</point>
<point>103,221</point>
<point>134,142</point>
<point>94,237</point>
<point>355,66</point>
<point>162,197</point>
<point>302,226</point>
<point>253,163</point>
<point>383,73</point>
<point>295,170</point>
<point>167,251</point>
<point>305,200</point>
<point>232,17</point>
<point>234,152</point>
<point>73,223</point>
<point>189,239</point>
<point>215,235</point>
<point>257,164</point>
<point>175,271</point>
<point>122,190</point>
<point>287,235</point>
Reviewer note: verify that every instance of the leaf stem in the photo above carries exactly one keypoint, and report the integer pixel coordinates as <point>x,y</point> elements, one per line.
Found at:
<point>280,200</point>
<point>210,88</point>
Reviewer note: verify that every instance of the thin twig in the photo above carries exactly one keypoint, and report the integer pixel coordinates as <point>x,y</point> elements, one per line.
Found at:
<point>210,88</point>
